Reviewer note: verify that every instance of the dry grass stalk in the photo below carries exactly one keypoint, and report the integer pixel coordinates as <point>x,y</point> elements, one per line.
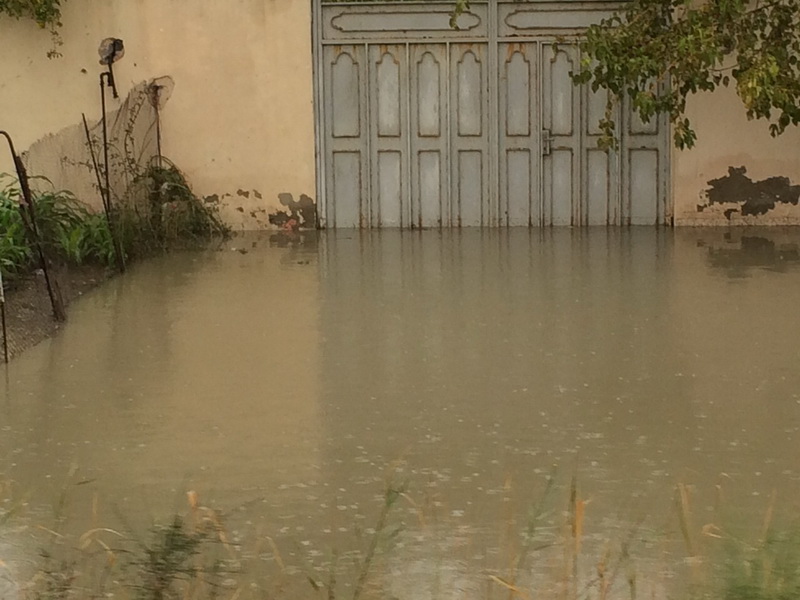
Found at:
<point>513,589</point>
<point>684,517</point>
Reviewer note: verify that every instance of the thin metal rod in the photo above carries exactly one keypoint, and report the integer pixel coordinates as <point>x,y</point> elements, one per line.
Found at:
<point>158,136</point>
<point>109,208</point>
<point>53,290</point>
<point>3,318</point>
<point>96,169</point>
<point>105,137</point>
<point>111,82</point>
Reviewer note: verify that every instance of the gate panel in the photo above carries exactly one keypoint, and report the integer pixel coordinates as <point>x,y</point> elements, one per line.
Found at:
<point>601,190</point>
<point>422,125</point>
<point>388,88</point>
<point>561,139</point>
<point>375,22</point>
<point>644,188</point>
<point>346,135</point>
<point>469,142</point>
<point>430,193</point>
<point>519,142</point>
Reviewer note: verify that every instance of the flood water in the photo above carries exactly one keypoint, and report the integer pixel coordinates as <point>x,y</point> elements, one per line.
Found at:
<point>287,379</point>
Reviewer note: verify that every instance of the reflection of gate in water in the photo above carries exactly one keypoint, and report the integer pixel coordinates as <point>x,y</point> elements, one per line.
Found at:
<point>420,125</point>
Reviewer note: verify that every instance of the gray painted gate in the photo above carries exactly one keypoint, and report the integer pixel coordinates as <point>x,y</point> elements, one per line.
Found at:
<point>420,125</point>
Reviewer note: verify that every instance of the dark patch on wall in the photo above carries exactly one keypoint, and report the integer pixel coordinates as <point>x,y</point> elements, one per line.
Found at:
<point>257,194</point>
<point>754,197</point>
<point>243,193</point>
<point>299,214</point>
<point>753,252</point>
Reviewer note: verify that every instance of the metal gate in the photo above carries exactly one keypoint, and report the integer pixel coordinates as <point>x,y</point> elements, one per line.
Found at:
<point>421,125</point>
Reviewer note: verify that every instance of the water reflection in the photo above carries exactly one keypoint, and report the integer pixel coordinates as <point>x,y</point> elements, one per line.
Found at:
<point>739,251</point>
<point>284,376</point>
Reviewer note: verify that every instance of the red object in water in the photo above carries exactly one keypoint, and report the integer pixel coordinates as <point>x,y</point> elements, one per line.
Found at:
<point>291,225</point>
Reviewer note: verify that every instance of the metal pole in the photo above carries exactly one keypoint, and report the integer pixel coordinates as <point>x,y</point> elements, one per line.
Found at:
<point>53,290</point>
<point>96,169</point>
<point>109,208</point>
<point>3,318</point>
<point>112,84</point>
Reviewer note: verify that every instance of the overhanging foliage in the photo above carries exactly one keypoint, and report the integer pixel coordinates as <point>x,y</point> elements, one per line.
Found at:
<point>46,13</point>
<point>660,52</point>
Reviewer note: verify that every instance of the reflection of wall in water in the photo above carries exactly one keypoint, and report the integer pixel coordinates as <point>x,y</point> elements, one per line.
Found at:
<point>735,298</point>
<point>739,252</point>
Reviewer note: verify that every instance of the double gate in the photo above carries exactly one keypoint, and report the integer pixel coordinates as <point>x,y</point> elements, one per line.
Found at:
<point>423,125</point>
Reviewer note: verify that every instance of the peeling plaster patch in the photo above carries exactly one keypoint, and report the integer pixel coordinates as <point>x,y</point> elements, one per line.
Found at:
<point>243,193</point>
<point>753,252</point>
<point>257,194</point>
<point>301,213</point>
<point>754,197</point>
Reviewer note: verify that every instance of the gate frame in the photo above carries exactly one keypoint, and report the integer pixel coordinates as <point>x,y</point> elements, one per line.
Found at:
<point>665,149</point>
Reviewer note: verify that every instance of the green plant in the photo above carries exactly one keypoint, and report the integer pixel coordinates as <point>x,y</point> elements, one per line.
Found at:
<point>159,210</point>
<point>767,570</point>
<point>170,215</point>
<point>15,253</point>
<point>47,13</point>
<point>657,53</point>
<point>66,228</point>
<point>167,560</point>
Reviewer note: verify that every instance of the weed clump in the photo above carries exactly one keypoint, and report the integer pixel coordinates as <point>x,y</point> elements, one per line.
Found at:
<point>167,559</point>
<point>159,212</point>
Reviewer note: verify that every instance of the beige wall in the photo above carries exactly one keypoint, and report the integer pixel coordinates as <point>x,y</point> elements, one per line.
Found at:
<point>240,121</point>
<point>727,139</point>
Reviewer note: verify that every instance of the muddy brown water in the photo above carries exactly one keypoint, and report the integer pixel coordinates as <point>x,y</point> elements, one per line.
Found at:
<point>284,377</point>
